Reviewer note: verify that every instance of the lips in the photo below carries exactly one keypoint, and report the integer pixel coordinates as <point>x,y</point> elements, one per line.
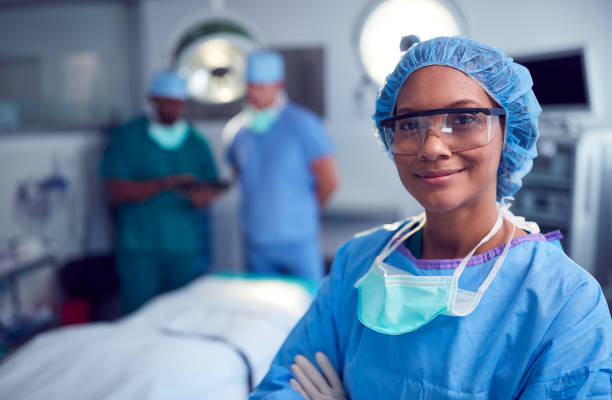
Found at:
<point>437,177</point>
<point>437,173</point>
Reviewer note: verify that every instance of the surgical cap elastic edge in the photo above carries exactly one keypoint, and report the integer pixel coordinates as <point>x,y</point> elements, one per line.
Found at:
<point>265,67</point>
<point>168,84</point>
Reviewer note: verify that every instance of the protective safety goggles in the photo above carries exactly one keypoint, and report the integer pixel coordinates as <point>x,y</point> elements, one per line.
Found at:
<point>459,128</point>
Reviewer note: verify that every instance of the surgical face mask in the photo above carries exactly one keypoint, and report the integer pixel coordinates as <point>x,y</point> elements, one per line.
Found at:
<point>260,121</point>
<point>169,137</point>
<point>393,301</point>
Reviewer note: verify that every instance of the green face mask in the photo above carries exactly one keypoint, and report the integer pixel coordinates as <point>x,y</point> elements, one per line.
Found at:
<point>393,301</point>
<point>260,121</point>
<point>169,137</point>
<point>400,303</point>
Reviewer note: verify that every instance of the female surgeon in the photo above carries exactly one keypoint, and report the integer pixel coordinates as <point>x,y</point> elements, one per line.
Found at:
<point>465,301</point>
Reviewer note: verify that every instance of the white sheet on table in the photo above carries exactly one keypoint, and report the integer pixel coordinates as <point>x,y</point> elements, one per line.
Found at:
<point>134,359</point>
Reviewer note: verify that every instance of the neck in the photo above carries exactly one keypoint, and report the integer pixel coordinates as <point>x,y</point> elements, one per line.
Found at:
<point>454,234</point>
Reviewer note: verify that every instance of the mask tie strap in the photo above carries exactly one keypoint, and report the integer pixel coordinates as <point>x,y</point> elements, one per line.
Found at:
<point>493,231</point>
<point>496,267</point>
<point>400,236</point>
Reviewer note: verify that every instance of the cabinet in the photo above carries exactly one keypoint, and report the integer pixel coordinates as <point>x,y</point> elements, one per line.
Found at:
<point>547,193</point>
<point>570,189</point>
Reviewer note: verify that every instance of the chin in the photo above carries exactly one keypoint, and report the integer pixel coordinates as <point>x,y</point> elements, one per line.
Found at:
<point>168,119</point>
<point>449,199</point>
<point>440,200</point>
<point>439,205</point>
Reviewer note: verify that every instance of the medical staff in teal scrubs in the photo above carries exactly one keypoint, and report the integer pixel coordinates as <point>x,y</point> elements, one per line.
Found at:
<point>466,300</point>
<point>284,159</point>
<point>149,167</point>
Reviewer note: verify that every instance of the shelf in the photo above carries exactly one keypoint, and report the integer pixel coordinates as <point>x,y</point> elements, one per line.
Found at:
<point>560,221</point>
<point>21,268</point>
<point>546,181</point>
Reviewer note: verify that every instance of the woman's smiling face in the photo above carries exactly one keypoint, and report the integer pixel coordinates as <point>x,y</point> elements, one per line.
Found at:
<point>441,180</point>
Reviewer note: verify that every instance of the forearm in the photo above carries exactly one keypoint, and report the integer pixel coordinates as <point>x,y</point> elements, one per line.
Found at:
<point>326,178</point>
<point>325,189</point>
<point>123,191</point>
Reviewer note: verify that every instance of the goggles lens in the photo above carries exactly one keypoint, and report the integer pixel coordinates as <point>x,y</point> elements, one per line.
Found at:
<point>459,130</point>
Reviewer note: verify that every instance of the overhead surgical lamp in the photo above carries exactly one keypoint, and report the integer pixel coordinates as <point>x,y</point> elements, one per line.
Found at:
<point>383,24</point>
<point>212,58</point>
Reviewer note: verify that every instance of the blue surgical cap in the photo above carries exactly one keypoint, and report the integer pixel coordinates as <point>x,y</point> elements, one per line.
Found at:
<point>507,82</point>
<point>168,83</point>
<point>265,67</point>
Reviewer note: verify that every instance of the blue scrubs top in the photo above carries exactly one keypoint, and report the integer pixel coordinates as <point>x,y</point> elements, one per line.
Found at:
<point>279,203</point>
<point>541,331</point>
<point>167,222</point>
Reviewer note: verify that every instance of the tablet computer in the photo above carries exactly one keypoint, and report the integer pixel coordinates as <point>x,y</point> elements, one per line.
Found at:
<point>214,185</point>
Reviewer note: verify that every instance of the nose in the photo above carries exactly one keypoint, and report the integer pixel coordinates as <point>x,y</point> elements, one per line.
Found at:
<point>433,147</point>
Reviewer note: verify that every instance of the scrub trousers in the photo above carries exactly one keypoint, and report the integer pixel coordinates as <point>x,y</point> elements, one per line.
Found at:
<point>143,276</point>
<point>303,259</point>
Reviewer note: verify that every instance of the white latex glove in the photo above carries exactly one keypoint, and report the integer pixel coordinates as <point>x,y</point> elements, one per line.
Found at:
<point>311,384</point>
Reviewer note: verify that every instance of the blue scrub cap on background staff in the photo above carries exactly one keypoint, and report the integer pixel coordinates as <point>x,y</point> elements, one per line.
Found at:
<point>265,67</point>
<point>507,82</point>
<point>169,84</point>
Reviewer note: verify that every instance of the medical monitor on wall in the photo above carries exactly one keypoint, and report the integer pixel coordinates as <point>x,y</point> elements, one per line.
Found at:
<point>559,80</point>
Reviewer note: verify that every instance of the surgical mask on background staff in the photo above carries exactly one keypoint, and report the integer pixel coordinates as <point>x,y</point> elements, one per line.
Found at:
<point>169,137</point>
<point>259,121</point>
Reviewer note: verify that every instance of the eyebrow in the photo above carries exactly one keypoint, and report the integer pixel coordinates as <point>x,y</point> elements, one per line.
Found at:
<point>455,104</point>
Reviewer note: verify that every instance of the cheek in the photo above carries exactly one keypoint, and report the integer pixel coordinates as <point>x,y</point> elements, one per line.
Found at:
<point>495,158</point>
<point>166,108</point>
<point>268,96</point>
<point>252,94</point>
<point>406,174</point>
<point>484,168</point>
<point>180,109</point>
